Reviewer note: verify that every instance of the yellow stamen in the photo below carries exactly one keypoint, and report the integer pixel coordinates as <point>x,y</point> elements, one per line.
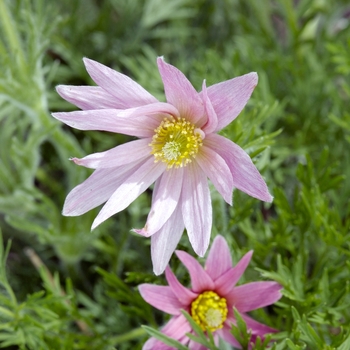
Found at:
<point>209,310</point>
<point>176,142</point>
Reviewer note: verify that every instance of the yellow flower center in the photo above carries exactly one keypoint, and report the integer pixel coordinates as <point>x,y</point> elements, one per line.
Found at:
<point>176,142</point>
<point>209,311</point>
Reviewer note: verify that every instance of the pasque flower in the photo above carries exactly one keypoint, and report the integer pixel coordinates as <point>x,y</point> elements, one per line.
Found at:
<point>211,299</point>
<point>178,149</point>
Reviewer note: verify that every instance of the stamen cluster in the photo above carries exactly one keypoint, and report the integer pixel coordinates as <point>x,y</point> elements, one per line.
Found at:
<point>175,142</point>
<point>209,310</point>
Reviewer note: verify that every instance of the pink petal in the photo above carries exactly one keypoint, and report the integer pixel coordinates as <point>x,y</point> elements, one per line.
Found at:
<point>87,97</point>
<point>132,187</point>
<point>96,189</point>
<point>166,196</point>
<point>180,92</point>
<point>219,258</point>
<point>252,296</point>
<point>139,121</point>
<point>184,295</point>
<point>124,154</point>
<point>158,108</point>
<point>200,279</point>
<point>225,283</point>
<point>225,334</point>
<point>246,176</point>
<point>196,207</point>
<point>229,97</point>
<point>161,297</point>
<point>196,346</point>
<point>164,242</point>
<point>155,344</point>
<point>257,328</point>
<point>126,92</point>
<point>176,328</point>
<point>214,166</point>
<point>212,122</point>
<point>108,120</point>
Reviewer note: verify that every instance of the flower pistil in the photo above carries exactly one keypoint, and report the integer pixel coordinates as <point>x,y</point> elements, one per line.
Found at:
<point>209,310</point>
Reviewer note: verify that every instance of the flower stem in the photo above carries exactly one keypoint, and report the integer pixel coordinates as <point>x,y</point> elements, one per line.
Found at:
<point>134,334</point>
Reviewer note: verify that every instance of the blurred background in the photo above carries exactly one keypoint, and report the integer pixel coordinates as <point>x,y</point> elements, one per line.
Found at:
<point>65,287</point>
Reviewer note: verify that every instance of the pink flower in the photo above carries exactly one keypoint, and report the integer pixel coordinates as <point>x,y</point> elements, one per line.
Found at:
<point>211,299</point>
<point>178,149</point>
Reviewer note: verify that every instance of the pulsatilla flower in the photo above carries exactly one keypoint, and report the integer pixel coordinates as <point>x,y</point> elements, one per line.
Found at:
<point>211,299</point>
<point>178,149</point>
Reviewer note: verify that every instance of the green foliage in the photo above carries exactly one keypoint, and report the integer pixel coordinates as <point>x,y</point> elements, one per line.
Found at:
<point>296,128</point>
<point>27,323</point>
<point>245,337</point>
<point>240,331</point>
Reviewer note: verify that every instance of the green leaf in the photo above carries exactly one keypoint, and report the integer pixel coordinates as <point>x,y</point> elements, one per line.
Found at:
<point>345,345</point>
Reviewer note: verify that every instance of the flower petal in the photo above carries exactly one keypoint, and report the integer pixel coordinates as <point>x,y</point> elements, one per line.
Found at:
<point>180,92</point>
<point>108,120</point>
<point>158,108</point>
<point>165,199</point>
<point>87,97</point>
<point>229,97</point>
<point>164,242</point>
<point>257,328</point>
<point>219,258</point>
<point>176,328</point>
<point>193,345</point>
<point>132,187</point>
<point>246,176</point>
<point>127,93</point>
<point>196,207</point>
<point>254,295</point>
<point>96,189</point>
<point>214,166</point>
<point>161,297</point>
<point>225,283</point>
<point>212,121</point>
<point>155,344</point>
<point>184,295</point>
<point>139,121</point>
<point>200,279</point>
<point>124,154</point>
<point>225,334</point>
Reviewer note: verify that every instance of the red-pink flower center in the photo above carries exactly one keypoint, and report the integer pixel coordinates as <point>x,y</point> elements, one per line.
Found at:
<point>209,310</point>
<point>176,142</point>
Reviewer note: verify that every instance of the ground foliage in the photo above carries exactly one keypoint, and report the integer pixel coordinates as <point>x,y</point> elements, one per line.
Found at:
<point>64,287</point>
